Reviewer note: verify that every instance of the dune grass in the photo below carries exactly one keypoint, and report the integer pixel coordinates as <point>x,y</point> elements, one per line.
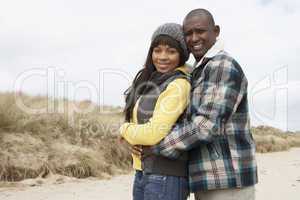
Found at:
<point>64,141</point>
<point>60,142</point>
<point>269,139</point>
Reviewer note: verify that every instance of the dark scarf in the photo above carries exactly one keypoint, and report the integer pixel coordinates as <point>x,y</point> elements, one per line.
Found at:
<point>157,78</point>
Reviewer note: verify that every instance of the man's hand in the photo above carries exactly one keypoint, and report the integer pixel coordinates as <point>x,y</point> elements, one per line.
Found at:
<point>137,150</point>
<point>134,149</point>
<point>147,151</point>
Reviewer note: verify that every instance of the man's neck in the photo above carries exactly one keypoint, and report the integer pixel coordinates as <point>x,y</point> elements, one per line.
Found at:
<point>198,59</point>
<point>214,50</point>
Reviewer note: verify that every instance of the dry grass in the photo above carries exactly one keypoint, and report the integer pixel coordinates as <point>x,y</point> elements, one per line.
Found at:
<point>269,139</point>
<point>80,145</point>
<point>61,141</point>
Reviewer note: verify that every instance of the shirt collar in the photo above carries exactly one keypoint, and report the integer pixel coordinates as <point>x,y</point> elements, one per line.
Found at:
<point>214,50</point>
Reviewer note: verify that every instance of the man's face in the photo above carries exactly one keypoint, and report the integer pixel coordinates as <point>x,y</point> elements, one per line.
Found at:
<point>200,35</point>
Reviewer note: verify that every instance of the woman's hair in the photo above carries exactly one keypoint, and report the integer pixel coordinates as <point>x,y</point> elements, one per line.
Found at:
<point>143,76</point>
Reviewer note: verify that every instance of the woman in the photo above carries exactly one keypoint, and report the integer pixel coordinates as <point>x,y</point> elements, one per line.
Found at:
<point>154,104</point>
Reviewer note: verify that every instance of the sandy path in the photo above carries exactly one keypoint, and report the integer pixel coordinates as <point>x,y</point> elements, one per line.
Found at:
<point>279,176</point>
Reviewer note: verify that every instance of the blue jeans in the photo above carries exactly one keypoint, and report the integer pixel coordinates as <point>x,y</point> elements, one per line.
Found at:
<point>159,187</point>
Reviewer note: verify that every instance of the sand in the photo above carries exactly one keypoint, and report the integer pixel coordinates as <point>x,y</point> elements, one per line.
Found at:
<point>279,178</point>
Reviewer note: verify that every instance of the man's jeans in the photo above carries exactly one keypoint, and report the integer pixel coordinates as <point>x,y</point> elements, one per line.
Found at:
<point>159,187</point>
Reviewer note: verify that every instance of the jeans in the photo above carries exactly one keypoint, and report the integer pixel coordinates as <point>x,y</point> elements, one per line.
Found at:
<point>159,187</point>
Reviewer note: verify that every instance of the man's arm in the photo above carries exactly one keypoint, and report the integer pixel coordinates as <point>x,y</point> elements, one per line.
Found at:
<point>213,102</point>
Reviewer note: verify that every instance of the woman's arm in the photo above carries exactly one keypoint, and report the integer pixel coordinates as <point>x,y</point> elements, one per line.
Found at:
<point>170,104</point>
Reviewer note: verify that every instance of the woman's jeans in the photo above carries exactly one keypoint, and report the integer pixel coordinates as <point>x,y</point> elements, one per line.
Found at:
<point>159,187</point>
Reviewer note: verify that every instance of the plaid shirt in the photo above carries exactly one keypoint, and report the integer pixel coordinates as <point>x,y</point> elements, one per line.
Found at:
<point>217,134</point>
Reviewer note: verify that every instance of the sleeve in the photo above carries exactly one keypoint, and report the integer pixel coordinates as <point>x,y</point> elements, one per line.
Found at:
<point>170,104</point>
<point>214,100</point>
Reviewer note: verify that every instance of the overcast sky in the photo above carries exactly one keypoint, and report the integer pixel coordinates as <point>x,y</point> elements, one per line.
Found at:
<point>94,48</point>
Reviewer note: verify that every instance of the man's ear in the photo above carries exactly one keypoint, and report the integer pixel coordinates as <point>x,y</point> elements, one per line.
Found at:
<point>217,30</point>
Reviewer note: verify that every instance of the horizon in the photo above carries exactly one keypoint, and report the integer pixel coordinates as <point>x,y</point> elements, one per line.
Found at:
<point>102,109</point>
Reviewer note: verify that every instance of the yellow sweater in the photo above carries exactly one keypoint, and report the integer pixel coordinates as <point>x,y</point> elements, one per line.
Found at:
<point>169,106</point>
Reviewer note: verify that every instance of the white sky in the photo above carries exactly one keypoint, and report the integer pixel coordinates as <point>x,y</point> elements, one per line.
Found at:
<point>80,39</point>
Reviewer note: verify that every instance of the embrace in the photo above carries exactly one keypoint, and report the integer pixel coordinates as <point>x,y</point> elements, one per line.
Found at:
<point>189,127</point>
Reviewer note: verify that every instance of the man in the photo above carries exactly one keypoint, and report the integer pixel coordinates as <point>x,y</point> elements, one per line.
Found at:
<point>217,133</point>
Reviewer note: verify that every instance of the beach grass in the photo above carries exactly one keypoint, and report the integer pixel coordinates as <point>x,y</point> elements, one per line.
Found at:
<point>78,139</point>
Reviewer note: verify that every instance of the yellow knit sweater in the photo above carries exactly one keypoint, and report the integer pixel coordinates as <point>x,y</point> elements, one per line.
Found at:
<point>169,106</point>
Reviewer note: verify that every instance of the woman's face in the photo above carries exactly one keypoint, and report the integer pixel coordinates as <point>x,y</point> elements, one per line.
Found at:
<point>165,58</point>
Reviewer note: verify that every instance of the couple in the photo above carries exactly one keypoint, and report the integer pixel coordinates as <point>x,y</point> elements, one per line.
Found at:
<point>190,132</point>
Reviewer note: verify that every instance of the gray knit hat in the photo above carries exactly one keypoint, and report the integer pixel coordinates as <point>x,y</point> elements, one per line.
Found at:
<point>174,31</point>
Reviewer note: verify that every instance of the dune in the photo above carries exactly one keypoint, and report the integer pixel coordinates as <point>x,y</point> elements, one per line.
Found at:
<point>279,178</point>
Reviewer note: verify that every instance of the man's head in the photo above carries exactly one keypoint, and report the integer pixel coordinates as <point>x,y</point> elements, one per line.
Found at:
<point>200,32</point>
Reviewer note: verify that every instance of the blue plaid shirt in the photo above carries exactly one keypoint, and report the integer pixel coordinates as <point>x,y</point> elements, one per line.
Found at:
<point>217,134</point>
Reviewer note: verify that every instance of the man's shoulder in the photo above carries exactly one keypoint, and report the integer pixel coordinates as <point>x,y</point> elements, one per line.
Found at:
<point>223,56</point>
<point>224,60</point>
